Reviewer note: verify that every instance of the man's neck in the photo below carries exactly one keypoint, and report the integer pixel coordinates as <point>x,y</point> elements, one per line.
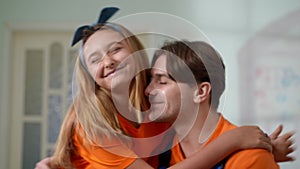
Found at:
<point>203,127</point>
<point>209,127</point>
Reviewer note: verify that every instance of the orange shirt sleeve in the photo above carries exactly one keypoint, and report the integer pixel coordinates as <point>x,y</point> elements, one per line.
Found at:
<point>113,155</point>
<point>252,159</point>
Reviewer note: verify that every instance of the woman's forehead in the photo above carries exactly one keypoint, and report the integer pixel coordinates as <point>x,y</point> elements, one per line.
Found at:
<point>103,39</point>
<point>105,36</point>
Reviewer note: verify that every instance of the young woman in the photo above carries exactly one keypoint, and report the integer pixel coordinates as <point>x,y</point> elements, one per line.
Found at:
<point>105,127</point>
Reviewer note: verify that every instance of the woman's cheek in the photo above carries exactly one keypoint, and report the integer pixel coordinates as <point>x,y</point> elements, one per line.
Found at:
<point>94,72</point>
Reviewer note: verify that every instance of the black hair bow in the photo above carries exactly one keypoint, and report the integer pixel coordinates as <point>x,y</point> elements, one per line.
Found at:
<point>105,14</point>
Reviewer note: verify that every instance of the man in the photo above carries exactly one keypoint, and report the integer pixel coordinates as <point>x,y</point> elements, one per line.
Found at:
<point>188,78</point>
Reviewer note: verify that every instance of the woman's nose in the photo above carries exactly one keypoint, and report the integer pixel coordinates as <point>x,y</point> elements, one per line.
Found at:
<point>108,62</point>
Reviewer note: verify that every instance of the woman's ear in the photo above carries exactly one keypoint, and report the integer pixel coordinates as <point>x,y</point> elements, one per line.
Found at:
<point>203,92</point>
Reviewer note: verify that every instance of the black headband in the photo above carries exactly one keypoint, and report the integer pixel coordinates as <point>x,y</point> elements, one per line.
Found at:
<point>105,14</point>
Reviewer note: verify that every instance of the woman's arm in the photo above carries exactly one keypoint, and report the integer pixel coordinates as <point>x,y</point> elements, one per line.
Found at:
<point>236,139</point>
<point>244,137</point>
<point>229,142</point>
<point>250,137</point>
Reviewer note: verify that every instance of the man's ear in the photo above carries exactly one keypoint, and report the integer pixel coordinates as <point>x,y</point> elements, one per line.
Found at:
<point>203,92</point>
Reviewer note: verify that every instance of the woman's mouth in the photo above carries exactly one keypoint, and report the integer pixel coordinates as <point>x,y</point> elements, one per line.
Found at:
<point>113,72</point>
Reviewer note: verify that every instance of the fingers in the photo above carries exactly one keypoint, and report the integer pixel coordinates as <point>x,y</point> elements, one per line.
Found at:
<point>290,146</point>
<point>290,159</point>
<point>290,150</point>
<point>290,143</point>
<point>288,139</point>
<point>288,135</point>
<point>276,133</point>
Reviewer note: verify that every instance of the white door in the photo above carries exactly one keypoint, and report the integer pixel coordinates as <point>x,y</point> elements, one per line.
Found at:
<point>42,69</point>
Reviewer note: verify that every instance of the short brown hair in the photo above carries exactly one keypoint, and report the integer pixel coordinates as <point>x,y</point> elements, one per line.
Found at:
<point>201,59</point>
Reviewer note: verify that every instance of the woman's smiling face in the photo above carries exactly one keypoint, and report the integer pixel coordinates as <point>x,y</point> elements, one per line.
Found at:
<point>103,52</point>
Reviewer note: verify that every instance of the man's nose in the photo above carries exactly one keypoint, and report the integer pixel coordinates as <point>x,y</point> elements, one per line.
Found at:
<point>148,89</point>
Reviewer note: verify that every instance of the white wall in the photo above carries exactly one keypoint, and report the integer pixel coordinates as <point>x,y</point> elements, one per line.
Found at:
<point>229,24</point>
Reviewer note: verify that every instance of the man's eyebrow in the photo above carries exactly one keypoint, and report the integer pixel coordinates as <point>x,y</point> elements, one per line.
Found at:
<point>160,74</point>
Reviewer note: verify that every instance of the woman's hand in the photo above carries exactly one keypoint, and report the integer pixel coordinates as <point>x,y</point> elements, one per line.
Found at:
<point>251,137</point>
<point>43,164</point>
<point>282,145</point>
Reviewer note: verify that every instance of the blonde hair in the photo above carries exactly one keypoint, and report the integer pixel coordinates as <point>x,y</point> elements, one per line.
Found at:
<point>93,109</point>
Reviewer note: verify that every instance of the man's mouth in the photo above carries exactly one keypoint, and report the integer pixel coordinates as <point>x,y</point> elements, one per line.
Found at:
<point>156,102</point>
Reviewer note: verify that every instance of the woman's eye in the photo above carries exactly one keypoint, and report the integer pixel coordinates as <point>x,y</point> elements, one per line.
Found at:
<point>115,50</point>
<point>96,60</point>
<point>162,82</point>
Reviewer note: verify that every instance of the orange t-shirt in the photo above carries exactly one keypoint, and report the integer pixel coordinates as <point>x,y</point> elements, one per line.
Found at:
<point>115,153</point>
<point>245,159</point>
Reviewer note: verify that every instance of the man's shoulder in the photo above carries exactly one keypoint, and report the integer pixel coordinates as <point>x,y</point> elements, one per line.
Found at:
<point>249,158</point>
<point>224,125</point>
<point>252,154</point>
<point>252,158</point>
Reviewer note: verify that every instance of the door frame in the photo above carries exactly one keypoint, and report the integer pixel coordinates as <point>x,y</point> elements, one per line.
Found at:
<point>9,28</point>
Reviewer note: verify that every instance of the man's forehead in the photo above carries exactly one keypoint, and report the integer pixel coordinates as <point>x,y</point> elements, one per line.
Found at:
<point>159,69</point>
<point>158,72</point>
<point>161,63</point>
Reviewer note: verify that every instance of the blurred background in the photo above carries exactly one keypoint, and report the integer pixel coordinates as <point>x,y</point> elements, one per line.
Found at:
<point>259,42</point>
